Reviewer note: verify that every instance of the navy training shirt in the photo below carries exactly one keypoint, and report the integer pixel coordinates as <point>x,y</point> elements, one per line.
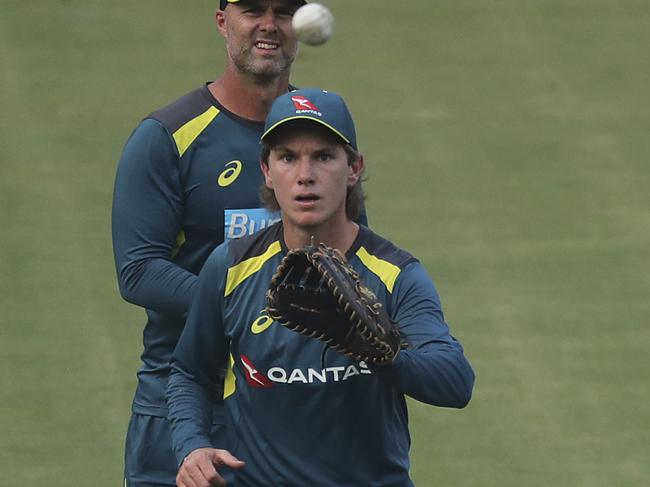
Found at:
<point>297,412</point>
<point>188,178</point>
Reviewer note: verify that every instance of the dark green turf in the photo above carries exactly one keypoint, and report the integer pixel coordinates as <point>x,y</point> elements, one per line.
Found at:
<point>507,145</point>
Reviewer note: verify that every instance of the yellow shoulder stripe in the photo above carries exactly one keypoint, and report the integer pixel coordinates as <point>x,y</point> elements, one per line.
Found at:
<point>180,241</point>
<point>239,273</point>
<point>384,270</point>
<point>230,381</point>
<point>185,135</point>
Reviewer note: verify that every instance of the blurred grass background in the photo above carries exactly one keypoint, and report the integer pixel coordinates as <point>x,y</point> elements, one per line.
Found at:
<point>507,145</point>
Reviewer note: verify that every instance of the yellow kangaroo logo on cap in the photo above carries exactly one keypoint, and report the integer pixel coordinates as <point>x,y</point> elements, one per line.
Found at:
<point>261,323</point>
<point>230,174</point>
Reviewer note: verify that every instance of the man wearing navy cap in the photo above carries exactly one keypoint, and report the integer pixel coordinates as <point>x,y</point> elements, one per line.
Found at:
<point>298,413</point>
<point>187,180</point>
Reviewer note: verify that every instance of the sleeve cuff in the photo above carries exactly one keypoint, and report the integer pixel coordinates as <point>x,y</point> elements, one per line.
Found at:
<point>189,447</point>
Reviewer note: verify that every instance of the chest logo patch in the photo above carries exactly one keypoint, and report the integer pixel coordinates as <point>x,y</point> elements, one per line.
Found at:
<point>253,376</point>
<point>229,174</point>
<point>241,222</point>
<point>261,324</point>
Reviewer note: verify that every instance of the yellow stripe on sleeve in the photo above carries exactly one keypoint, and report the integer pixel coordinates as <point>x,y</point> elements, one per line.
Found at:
<point>239,273</point>
<point>185,135</point>
<point>180,241</point>
<point>386,271</point>
<point>230,381</point>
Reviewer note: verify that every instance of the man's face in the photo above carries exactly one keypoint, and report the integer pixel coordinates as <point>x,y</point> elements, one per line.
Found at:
<point>259,38</point>
<point>309,173</point>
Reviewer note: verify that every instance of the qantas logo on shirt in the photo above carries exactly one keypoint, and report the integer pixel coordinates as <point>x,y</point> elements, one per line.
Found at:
<point>281,375</point>
<point>303,105</point>
<point>253,376</point>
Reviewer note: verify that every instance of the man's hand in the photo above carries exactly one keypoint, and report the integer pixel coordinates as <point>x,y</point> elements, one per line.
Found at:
<point>199,469</point>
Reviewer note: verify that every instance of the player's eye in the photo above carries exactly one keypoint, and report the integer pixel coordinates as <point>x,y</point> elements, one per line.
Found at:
<point>286,157</point>
<point>284,13</point>
<point>324,157</point>
<point>254,10</point>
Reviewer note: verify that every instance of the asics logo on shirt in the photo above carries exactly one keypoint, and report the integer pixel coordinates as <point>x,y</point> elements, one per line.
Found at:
<point>230,174</point>
<point>261,323</point>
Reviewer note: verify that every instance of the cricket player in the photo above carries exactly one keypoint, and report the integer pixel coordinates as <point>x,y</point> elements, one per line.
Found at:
<point>187,180</point>
<point>297,412</point>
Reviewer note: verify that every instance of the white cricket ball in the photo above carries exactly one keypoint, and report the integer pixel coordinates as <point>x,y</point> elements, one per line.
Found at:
<point>313,24</point>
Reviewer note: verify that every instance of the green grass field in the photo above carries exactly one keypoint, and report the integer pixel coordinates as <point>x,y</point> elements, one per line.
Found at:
<point>508,146</point>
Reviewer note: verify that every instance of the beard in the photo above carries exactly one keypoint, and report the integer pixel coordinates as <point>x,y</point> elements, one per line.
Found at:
<point>258,68</point>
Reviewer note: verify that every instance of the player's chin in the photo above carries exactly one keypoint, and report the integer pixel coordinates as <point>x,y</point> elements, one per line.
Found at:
<point>307,218</point>
<point>269,66</point>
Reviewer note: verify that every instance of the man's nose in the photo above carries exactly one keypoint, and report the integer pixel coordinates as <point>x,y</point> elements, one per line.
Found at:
<point>305,172</point>
<point>268,22</point>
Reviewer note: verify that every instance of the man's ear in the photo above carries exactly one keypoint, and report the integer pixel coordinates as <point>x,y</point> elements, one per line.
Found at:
<point>268,181</point>
<point>220,18</point>
<point>356,171</point>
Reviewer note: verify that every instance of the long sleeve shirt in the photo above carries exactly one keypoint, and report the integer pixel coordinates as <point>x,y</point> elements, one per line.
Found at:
<point>297,412</point>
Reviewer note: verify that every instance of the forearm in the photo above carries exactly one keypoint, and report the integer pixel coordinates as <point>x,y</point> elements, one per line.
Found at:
<point>190,414</point>
<point>157,284</point>
<point>440,376</point>
<point>433,369</point>
<point>197,366</point>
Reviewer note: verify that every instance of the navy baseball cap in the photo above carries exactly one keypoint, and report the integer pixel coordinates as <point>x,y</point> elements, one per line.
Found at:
<point>224,3</point>
<point>314,104</point>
